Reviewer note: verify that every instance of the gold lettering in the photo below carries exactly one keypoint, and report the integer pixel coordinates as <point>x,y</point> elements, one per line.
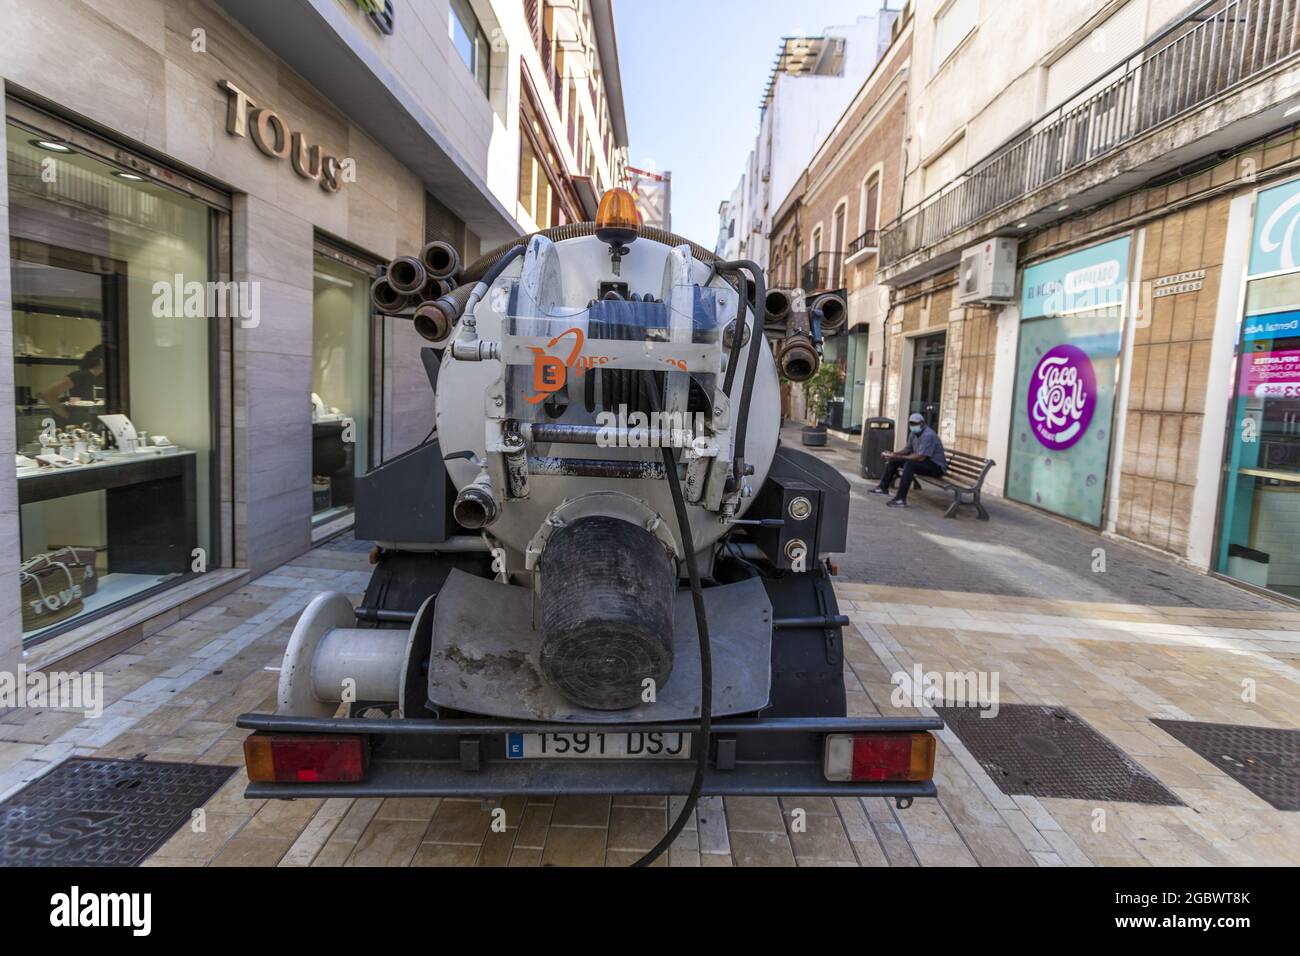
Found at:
<point>237,105</point>
<point>273,142</point>
<point>306,161</point>
<point>330,181</point>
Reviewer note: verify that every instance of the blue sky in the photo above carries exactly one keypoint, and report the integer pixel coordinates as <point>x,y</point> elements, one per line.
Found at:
<point>693,74</point>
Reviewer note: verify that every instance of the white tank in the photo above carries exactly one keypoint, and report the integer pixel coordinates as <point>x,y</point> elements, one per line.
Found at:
<point>474,396</point>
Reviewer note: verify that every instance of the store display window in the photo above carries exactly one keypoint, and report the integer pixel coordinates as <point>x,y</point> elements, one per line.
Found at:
<point>342,383</point>
<point>113,408</point>
<point>1260,512</point>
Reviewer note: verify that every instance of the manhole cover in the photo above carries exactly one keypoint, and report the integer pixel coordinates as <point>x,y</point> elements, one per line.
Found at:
<point>1042,751</point>
<point>1264,760</point>
<point>93,812</point>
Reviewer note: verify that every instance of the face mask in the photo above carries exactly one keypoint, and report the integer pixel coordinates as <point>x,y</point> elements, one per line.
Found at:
<point>917,429</point>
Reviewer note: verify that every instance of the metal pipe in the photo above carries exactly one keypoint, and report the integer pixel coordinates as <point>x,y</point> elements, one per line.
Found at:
<point>385,298</point>
<point>441,260</point>
<point>379,615</point>
<point>457,543</point>
<point>828,620</point>
<point>406,274</point>
<point>595,468</point>
<point>567,434</point>
<point>476,507</point>
<point>431,322</point>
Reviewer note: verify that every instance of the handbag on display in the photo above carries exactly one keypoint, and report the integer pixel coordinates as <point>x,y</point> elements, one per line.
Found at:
<point>80,561</point>
<point>50,592</point>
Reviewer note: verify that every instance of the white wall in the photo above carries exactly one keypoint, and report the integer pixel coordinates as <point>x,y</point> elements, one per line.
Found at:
<point>1004,386</point>
<point>995,84</point>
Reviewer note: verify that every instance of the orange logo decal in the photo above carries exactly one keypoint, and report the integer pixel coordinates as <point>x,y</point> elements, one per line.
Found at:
<point>550,372</point>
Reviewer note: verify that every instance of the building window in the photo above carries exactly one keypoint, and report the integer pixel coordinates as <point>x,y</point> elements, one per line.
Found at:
<point>535,193</point>
<point>470,42</point>
<point>114,415</point>
<point>1260,512</point>
<point>951,26</point>
<point>341,385</point>
<point>870,205</point>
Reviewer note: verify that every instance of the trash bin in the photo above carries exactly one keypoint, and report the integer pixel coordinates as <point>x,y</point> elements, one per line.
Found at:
<point>877,438</point>
<point>835,414</point>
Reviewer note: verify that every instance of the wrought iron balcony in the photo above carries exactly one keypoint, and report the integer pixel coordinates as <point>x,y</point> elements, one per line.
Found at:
<point>869,240</point>
<point>822,272</point>
<point>1219,46</point>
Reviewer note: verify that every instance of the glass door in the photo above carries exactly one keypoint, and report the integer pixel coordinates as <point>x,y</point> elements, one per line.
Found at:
<point>927,377</point>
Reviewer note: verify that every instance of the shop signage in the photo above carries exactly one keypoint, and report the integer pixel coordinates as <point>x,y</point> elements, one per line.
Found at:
<point>1084,281</point>
<point>1276,326</point>
<point>272,136</point>
<point>1275,246</point>
<point>1178,284</point>
<point>1062,397</point>
<point>1271,374</point>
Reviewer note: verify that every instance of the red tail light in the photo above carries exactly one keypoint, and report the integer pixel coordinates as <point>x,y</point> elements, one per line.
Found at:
<point>879,757</point>
<point>302,758</point>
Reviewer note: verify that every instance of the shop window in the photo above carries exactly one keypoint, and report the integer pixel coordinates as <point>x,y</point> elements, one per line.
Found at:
<point>341,385</point>
<point>1072,311</point>
<point>1260,511</point>
<point>113,402</point>
<point>470,42</point>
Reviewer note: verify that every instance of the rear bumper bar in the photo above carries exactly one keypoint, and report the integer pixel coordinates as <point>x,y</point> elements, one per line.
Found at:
<point>779,756</point>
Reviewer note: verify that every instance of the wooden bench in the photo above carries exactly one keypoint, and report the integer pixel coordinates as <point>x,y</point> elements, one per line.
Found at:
<point>964,478</point>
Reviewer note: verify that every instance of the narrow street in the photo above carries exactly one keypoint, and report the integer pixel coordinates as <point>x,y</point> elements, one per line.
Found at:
<point>1128,653</point>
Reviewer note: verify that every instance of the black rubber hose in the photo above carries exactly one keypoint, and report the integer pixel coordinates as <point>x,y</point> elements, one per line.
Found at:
<point>737,336</point>
<point>706,658</point>
<point>751,367</point>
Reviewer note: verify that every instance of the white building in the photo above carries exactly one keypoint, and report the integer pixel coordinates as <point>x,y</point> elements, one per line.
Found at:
<point>813,79</point>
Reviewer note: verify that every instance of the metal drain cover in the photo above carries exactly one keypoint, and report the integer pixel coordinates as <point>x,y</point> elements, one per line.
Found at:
<point>1264,760</point>
<point>1040,751</point>
<point>93,812</point>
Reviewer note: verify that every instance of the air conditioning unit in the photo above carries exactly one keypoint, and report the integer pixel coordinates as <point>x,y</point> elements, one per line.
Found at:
<point>988,273</point>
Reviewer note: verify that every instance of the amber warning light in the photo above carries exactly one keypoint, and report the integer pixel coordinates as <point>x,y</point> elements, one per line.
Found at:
<point>616,219</point>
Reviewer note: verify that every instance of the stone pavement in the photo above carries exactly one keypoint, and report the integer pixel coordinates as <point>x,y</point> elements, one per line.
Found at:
<point>1018,551</point>
<point>1093,646</point>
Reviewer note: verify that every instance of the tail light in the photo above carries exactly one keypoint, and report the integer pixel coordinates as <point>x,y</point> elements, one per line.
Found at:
<point>879,757</point>
<point>301,758</point>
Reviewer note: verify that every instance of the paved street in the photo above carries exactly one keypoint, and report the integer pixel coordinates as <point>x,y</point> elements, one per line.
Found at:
<point>1011,597</point>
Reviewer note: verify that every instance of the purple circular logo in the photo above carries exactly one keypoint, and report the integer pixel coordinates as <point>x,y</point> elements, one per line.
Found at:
<point>1062,397</point>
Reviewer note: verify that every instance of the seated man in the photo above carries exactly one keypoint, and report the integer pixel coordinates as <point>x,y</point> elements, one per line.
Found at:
<point>922,455</point>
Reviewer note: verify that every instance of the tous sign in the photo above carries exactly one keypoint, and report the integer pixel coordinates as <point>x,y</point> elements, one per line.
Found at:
<point>272,137</point>
<point>1062,397</point>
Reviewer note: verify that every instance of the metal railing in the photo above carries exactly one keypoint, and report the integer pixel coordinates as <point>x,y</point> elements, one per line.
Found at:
<point>868,240</point>
<point>1219,45</point>
<point>822,272</point>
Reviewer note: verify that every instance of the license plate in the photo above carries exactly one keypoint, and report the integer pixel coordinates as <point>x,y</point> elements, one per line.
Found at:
<point>632,745</point>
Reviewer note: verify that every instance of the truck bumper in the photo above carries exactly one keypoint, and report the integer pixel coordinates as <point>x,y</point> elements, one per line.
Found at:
<point>779,756</point>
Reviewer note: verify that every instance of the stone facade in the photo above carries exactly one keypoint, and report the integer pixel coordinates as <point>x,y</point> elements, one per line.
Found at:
<point>146,75</point>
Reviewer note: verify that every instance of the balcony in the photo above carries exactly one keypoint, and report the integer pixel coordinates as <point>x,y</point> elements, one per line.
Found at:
<point>1215,53</point>
<point>822,272</point>
<point>868,242</point>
